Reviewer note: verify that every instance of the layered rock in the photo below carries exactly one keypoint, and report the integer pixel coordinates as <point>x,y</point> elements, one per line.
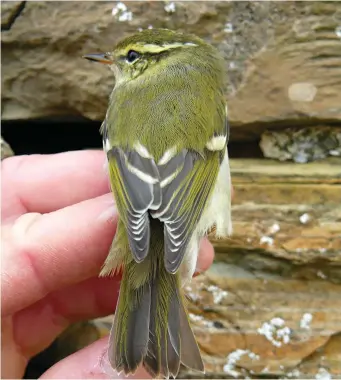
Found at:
<point>283,60</point>
<point>269,306</point>
<point>302,145</point>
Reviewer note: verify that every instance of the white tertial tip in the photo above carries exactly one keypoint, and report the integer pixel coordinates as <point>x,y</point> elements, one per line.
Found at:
<point>169,179</point>
<point>216,143</point>
<point>167,156</point>
<point>142,150</point>
<point>145,177</point>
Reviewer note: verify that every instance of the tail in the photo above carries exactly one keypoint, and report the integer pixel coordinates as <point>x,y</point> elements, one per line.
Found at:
<point>151,325</point>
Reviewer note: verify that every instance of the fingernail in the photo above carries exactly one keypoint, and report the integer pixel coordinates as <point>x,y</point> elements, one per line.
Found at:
<point>108,214</point>
<point>106,367</point>
<point>110,210</point>
<point>22,224</point>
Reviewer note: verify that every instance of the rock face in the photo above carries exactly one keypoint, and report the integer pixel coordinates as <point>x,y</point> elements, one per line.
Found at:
<point>283,59</point>
<point>269,305</point>
<point>302,145</point>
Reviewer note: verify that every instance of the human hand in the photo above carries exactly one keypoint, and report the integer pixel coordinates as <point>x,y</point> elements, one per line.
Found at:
<point>58,221</point>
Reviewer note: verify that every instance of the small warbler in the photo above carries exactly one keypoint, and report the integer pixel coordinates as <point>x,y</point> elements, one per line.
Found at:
<point>165,135</point>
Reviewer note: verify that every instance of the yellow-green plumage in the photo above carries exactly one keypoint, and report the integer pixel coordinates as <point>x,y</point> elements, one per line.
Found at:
<point>162,110</point>
<point>165,135</point>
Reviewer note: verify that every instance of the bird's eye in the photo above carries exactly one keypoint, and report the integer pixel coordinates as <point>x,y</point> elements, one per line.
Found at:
<point>132,56</point>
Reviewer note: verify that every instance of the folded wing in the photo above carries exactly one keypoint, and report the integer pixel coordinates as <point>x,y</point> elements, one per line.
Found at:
<point>174,190</point>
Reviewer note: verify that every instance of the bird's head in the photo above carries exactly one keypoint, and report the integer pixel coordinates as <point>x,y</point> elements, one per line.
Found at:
<point>152,48</point>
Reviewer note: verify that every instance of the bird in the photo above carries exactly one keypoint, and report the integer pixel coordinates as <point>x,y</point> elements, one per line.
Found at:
<point>165,135</point>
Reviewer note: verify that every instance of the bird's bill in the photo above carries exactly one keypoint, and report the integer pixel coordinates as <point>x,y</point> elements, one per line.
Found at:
<point>100,57</point>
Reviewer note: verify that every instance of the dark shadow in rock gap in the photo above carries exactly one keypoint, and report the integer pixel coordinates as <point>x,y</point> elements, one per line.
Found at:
<point>51,136</point>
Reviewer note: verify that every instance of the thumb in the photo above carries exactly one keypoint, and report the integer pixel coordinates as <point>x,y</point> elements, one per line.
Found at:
<point>89,363</point>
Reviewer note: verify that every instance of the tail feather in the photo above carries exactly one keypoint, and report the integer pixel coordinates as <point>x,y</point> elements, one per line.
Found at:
<point>190,354</point>
<point>174,342</point>
<point>151,361</point>
<point>138,332</point>
<point>162,357</point>
<point>126,351</point>
<point>173,358</point>
<point>151,325</point>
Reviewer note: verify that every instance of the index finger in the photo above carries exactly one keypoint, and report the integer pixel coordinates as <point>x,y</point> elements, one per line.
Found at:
<point>45,183</point>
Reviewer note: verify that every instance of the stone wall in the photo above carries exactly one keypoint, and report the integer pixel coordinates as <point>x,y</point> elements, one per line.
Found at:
<point>283,58</point>
<point>270,305</point>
